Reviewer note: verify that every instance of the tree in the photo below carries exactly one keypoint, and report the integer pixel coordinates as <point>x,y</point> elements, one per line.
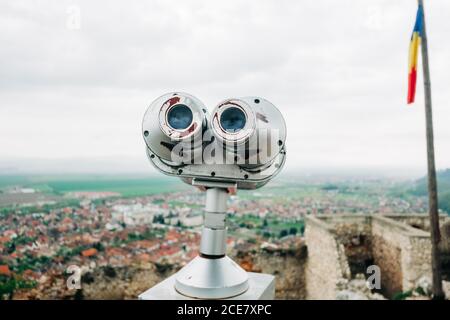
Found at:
<point>99,246</point>
<point>7,288</point>
<point>283,233</point>
<point>266,234</point>
<point>158,219</point>
<point>444,202</point>
<point>302,229</point>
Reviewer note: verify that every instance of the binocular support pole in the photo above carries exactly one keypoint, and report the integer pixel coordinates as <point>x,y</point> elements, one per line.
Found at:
<point>214,234</point>
<point>212,274</point>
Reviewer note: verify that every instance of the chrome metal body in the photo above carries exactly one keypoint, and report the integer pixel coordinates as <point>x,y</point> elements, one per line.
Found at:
<point>252,156</point>
<point>262,137</point>
<point>161,138</point>
<point>214,231</point>
<point>244,178</point>
<point>242,146</point>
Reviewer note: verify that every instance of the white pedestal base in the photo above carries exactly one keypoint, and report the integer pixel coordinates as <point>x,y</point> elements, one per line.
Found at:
<point>261,287</point>
<point>204,278</point>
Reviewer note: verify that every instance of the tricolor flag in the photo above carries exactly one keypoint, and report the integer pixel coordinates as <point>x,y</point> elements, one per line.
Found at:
<point>413,53</point>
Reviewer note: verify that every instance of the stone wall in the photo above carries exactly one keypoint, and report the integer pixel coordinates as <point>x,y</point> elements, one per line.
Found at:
<point>416,220</point>
<point>445,250</point>
<point>353,232</point>
<point>287,265</point>
<point>414,247</point>
<point>340,247</point>
<point>326,264</point>
<point>388,258</point>
<point>387,254</point>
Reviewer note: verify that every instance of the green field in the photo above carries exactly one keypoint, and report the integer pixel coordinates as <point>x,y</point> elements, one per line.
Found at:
<point>271,226</point>
<point>127,186</point>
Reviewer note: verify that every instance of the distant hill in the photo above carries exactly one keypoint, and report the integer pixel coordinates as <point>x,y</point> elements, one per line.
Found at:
<point>420,189</point>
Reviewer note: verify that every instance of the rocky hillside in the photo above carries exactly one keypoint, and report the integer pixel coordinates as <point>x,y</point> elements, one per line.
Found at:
<point>128,282</point>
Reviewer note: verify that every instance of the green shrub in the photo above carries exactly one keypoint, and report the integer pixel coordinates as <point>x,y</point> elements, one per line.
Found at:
<point>402,295</point>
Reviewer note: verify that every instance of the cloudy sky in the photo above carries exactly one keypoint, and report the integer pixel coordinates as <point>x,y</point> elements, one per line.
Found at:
<point>77,76</point>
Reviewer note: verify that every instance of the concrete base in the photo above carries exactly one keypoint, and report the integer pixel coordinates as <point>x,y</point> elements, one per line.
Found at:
<point>261,287</point>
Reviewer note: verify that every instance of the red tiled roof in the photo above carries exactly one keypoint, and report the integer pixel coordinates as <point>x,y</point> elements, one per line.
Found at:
<point>89,252</point>
<point>143,257</point>
<point>144,243</point>
<point>67,220</point>
<point>115,252</point>
<point>4,270</point>
<point>67,210</point>
<point>172,235</point>
<point>4,239</point>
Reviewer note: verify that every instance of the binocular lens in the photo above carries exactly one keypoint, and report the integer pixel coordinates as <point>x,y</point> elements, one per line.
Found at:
<point>179,117</point>
<point>232,119</point>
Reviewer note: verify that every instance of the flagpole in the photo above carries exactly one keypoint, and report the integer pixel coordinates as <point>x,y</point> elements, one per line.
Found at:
<point>433,210</point>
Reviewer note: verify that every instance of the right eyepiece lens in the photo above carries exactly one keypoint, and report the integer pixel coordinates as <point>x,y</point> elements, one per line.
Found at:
<point>179,117</point>
<point>232,119</point>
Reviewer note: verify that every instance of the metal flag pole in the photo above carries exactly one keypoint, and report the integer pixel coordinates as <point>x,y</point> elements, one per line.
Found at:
<point>433,210</point>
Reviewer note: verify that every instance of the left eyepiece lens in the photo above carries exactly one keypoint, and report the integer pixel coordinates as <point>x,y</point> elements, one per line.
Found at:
<point>179,117</point>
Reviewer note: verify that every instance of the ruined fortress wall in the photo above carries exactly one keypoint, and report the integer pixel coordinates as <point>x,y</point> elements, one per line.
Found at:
<point>387,255</point>
<point>445,249</point>
<point>417,261</point>
<point>324,264</point>
<point>341,246</point>
<point>288,268</point>
<point>286,264</point>
<point>416,220</point>
<point>353,233</point>
<point>402,253</point>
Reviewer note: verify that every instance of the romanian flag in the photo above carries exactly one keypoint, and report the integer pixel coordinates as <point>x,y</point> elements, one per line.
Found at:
<point>413,53</point>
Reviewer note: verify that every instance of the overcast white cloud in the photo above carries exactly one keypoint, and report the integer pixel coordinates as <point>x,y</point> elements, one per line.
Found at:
<point>336,69</point>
